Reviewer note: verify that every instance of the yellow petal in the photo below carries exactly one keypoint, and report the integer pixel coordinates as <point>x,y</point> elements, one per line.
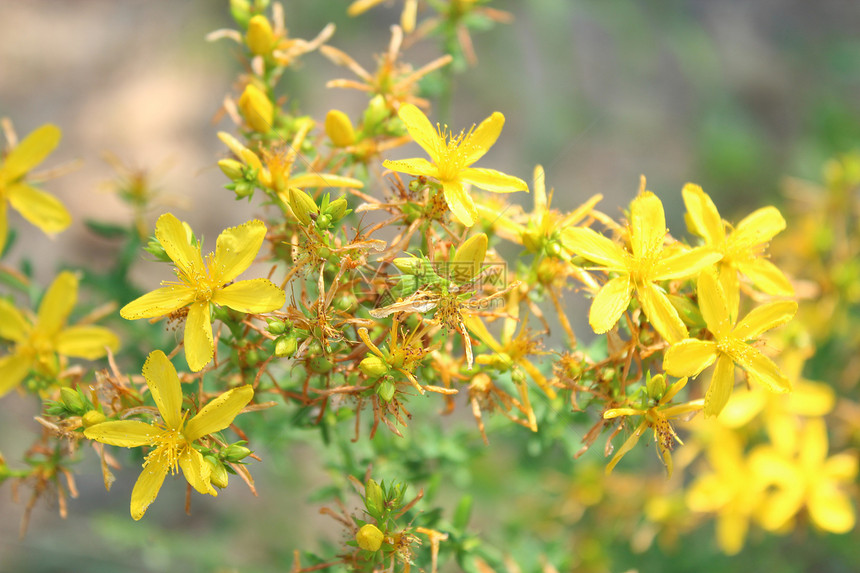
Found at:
<point>478,142</point>
<point>13,325</point>
<point>305,180</point>
<point>705,218</point>
<point>87,342</point>
<point>813,444</point>
<point>30,152</point>
<point>39,208</point>
<point>763,318</point>
<point>460,203</point>
<point>158,302</point>
<point>742,408</point>
<point>469,257</point>
<point>727,275</point>
<point>196,471</point>
<point>416,166</point>
<point>782,505</point>
<point>492,180</point>
<point>539,179</point>
<point>713,304</point>
<point>218,413</point>
<point>124,433</point>
<point>172,235</point>
<point>628,445</point>
<point>57,303</point>
<point>13,369</point>
<point>595,247</point>
<point>147,486</point>
<point>759,367</point>
<point>689,357</point>
<point>421,130</point>
<point>831,509</point>
<point>841,467</point>
<point>810,398</point>
<point>199,346</point>
<point>164,387</point>
<point>766,276</point>
<point>732,529</point>
<point>685,264</point>
<point>647,225</point>
<point>4,226</point>
<point>254,296</point>
<point>661,314</point>
<point>758,227</point>
<point>236,249</point>
<point>720,388</point>
<point>609,304</point>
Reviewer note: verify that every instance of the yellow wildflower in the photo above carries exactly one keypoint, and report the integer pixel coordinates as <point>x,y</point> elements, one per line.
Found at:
<point>731,490</point>
<point>729,347</point>
<point>39,341</point>
<point>276,175</point>
<point>451,157</point>
<point>201,283</point>
<point>639,268</point>
<point>173,438</point>
<point>803,476</point>
<point>656,417</point>
<point>41,209</point>
<point>742,248</point>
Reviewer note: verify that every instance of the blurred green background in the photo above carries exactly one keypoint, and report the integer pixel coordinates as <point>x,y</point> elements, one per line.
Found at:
<point>730,95</point>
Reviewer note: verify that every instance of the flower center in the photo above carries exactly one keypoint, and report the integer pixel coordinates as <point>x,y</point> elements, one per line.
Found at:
<point>169,445</point>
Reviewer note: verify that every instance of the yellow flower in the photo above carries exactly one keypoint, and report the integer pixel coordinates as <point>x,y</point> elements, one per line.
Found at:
<point>451,157</point>
<point>803,476</point>
<point>657,418</point>
<point>39,341</point>
<point>173,439</point>
<point>731,490</point>
<point>638,269</point>
<point>201,283</point>
<point>276,175</point>
<point>41,209</point>
<point>742,248</point>
<point>729,347</point>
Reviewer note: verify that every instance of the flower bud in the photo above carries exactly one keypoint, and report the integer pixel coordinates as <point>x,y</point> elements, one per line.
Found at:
<point>373,366</point>
<point>260,37</point>
<point>241,11</point>
<point>339,128</point>
<point>302,205</point>
<point>469,257</point>
<point>373,498</point>
<point>275,326</point>
<point>656,386</point>
<point>256,108</point>
<point>369,537</point>
<point>385,390</point>
<point>531,240</point>
<point>231,168</point>
<point>285,346</point>
<point>337,209</point>
<point>72,400</point>
<point>407,265</point>
<point>235,452</point>
<point>376,112</point>
<point>92,418</point>
<point>218,475</point>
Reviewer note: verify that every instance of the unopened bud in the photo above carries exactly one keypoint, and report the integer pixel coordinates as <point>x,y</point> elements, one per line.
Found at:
<point>339,128</point>
<point>235,453</point>
<point>369,537</point>
<point>231,168</point>
<point>256,108</point>
<point>285,346</point>
<point>92,418</point>
<point>376,112</point>
<point>302,205</point>
<point>72,400</point>
<point>373,366</point>
<point>275,326</point>
<point>218,474</point>
<point>337,209</point>
<point>656,386</point>
<point>260,37</point>
<point>373,498</point>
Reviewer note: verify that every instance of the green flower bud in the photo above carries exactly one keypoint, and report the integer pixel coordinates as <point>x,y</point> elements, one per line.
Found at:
<point>218,476</point>
<point>235,452</point>
<point>377,111</point>
<point>373,498</point>
<point>337,209</point>
<point>324,221</point>
<point>656,386</point>
<point>285,346</point>
<point>232,169</point>
<point>275,326</point>
<point>302,205</point>
<point>369,537</point>
<point>385,390</point>
<point>373,366</point>
<point>72,400</point>
<point>241,11</point>
<point>320,364</point>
